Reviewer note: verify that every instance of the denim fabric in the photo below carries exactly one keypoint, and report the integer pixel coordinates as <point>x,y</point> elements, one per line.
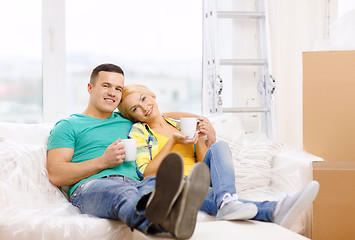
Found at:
<point>219,160</point>
<point>124,199</point>
<point>116,198</point>
<point>266,210</point>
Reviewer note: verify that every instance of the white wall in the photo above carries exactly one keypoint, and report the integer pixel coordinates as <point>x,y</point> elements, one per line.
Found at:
<point>295,26</point>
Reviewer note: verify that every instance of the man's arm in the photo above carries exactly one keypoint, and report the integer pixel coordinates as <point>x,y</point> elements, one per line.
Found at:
<point>63,172</point>
<point>178,115</point>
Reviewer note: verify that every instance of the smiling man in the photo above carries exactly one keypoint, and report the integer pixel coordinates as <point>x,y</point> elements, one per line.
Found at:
<point>85,152</point>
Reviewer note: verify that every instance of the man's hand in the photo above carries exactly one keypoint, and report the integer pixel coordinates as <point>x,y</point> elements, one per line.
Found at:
<point>114,154</point>
<point>205,127</point>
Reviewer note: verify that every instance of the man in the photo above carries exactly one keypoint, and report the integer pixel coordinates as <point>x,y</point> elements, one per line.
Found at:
<point>85,152</point>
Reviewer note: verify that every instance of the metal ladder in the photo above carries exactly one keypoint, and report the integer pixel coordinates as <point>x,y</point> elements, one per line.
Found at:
<point>212,64</point>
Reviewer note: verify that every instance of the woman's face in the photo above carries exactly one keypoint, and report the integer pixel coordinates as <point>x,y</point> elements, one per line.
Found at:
<point>141,107</point>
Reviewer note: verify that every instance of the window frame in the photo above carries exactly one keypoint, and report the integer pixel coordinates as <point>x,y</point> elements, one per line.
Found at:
<point>54,60</point>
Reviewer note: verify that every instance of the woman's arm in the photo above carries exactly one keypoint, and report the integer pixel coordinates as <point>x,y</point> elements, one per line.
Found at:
<point>201,148</point>
<point>209,131</point>
<point>205,128</point>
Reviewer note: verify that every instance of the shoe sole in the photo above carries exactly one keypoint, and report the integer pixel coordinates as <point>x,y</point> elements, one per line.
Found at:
<point>249,211</point>
<point>168,186</point>
<point>305,199</point>
<point>192,197</point>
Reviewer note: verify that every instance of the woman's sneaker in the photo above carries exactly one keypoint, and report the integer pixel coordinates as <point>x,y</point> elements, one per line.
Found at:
<point>233,209</point>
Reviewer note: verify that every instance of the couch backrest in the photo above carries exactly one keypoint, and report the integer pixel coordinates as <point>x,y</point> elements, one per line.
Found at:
<point>26,133</point>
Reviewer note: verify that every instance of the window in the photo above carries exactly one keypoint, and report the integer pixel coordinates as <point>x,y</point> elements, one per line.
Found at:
<point>21,61</point>
<point>157,43</point>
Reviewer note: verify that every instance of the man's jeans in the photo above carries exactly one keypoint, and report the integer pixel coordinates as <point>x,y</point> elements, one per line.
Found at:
<point>124,199</point>
<point>116,198</point>
<point>219,159</point>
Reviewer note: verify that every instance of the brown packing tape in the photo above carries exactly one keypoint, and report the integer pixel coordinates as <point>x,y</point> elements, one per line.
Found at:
<point>334,165</point>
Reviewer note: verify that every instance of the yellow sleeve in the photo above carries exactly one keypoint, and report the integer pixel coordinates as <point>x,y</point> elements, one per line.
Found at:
<point>141,135</point>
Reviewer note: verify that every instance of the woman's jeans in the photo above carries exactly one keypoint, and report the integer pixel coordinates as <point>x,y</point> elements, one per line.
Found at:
<point>219,159</point>
<point>116,198</point>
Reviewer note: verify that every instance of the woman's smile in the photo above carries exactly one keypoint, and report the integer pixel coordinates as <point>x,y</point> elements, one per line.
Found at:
<point>149,111</point>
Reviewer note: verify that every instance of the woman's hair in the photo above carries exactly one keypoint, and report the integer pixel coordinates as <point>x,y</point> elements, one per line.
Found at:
<point>128,89</point>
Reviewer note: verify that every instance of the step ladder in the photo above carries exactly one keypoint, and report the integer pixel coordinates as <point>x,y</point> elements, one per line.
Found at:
<point>213,80</point>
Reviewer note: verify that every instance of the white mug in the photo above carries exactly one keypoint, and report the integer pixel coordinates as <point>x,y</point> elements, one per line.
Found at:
<point>188,126</point>
<point>130,146</point>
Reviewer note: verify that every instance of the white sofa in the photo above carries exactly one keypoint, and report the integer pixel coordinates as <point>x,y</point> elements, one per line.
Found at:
<point>32,208</point>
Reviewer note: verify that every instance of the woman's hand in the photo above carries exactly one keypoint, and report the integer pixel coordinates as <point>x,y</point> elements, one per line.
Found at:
<point>205,127</point>
<point>183,139</point>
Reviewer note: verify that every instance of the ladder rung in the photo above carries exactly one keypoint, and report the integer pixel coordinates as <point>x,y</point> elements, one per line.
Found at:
<point>243,61</point>
<point>237,14</point>
<point>245,109</point>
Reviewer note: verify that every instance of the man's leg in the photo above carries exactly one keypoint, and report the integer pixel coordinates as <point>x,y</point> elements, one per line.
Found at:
<point>168,185</point>
<point>126,200</point>
<point>181,220</point>
<point>112,198</point>
<point>291,206</point>
<point>285,211</point>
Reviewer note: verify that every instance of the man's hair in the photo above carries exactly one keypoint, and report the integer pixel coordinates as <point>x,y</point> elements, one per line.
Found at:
<point>106,67</point>
<point>128,89</point>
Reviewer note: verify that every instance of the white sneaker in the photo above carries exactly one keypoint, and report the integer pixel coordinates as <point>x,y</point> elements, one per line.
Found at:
<point>233,209</point>
<point>291,206</point>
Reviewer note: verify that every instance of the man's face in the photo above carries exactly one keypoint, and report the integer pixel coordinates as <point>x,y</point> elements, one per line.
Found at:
<point>106,94</point>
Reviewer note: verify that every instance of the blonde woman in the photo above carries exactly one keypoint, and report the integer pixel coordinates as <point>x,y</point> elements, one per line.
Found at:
<point>157,136</point>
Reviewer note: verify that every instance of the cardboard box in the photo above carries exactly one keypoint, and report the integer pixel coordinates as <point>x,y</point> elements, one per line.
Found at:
<point>334,207</point>
<point>329,104</point>
<point>329,132</point>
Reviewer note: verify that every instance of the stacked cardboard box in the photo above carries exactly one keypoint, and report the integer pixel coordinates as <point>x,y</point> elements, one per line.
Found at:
<point>329,132</point>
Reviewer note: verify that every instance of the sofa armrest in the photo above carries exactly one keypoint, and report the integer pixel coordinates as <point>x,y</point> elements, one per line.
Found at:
<point>292,169</point>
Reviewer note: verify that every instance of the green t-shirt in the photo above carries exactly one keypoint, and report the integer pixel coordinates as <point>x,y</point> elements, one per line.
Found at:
<point>89,137</point>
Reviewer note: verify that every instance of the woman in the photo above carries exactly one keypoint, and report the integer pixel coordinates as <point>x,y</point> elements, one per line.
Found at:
<point>157,135</point>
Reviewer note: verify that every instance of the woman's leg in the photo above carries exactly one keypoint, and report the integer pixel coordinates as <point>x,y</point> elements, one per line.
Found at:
<point>223,194</point>
<point>219,159</point>
<point>209,205</point>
